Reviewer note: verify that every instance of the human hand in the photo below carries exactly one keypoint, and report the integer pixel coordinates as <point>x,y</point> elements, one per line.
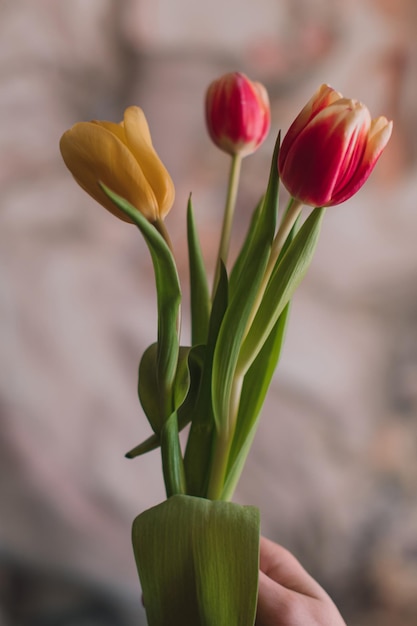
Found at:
<point>288,595</point>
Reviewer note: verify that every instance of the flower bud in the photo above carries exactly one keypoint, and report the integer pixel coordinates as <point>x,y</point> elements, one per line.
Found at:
<point>237,113</point>
<point>331,148</point>
<point>123,158</point>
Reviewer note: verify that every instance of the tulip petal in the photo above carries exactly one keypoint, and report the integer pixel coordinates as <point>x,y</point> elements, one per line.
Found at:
<point>356,125</point>
<point>93,153</point>
<point>237,113</point>
<point>115,129</point>
<point>313,161</point>
<point>138,140</point>
<point>258,119</point>
<point>378,137</point>
<point>323,97</point>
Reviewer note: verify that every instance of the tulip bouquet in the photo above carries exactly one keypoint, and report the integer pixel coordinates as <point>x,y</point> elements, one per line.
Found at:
<point>197,552</point>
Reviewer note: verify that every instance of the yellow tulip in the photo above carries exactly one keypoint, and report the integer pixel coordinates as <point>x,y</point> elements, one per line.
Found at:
<point>123,158</point>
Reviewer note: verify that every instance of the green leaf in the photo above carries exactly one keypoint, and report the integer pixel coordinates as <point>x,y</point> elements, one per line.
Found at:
<point>287,275</point>
<point>240,305</point>
<point>151,443</point>
<point>182,377</point>
<point>236,272</point>
<point>198,562</point>
<point>167,348</point>
<point>148,388</point>
<point>195,368</point>
<point>199,290</point>
<point>168,298</point>
<point>148,385</point>
<point>186,409</point>
<point>255,387</point>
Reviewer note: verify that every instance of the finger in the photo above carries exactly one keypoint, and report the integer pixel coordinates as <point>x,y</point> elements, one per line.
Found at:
<point>271,601</point>
<point>281,566</point>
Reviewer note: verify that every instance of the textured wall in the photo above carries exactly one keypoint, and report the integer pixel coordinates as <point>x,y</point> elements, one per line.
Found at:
<point>334,465</point>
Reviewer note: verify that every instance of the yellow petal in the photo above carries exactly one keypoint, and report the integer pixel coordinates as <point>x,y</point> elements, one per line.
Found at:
<point>93,153</point>
<point>116,129</point>
<point>139,141</point>
<point>139,123</point>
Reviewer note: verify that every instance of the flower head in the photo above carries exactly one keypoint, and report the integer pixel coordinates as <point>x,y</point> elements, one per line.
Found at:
<point>331,148</point>
<point>123,158</point>
<point>237,113</point>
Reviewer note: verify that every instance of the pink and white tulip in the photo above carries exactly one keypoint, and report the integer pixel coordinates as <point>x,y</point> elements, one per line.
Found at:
<point>331,148</point>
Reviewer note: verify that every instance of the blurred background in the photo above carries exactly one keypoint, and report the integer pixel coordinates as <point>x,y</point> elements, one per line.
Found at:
<point>334,465</point>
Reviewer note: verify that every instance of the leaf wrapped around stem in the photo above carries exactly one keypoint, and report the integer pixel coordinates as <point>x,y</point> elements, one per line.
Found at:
<point>198,562</point>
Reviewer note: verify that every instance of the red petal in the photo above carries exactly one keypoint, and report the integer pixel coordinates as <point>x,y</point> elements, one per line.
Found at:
<point>323,97</point>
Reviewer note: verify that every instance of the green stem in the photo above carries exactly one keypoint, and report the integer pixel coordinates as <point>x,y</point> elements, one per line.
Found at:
<point>172,461</point>
<point>223,444</point>
<point>293,211</point>
<point>219,466</point>
<point>229,210</point>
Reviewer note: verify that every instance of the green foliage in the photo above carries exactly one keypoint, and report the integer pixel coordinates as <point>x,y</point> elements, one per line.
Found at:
<point>219,385</point>
<point>200,439</point>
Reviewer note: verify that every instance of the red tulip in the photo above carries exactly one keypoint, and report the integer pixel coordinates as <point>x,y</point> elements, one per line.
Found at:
<point>331,148</point>
<point>237,113</point>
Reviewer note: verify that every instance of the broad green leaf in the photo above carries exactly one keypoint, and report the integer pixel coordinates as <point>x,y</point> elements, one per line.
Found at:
<point>199,290</point>
<point>199,444</point>
<point>186,409</point>
<point>195,368</point>
<point>198,562</point>
<point>255,387</point>
<point>240,305</point>
<point>287,275</point>
<point>182,377</point>
<point>148,387</point>
<point>168,298</point>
